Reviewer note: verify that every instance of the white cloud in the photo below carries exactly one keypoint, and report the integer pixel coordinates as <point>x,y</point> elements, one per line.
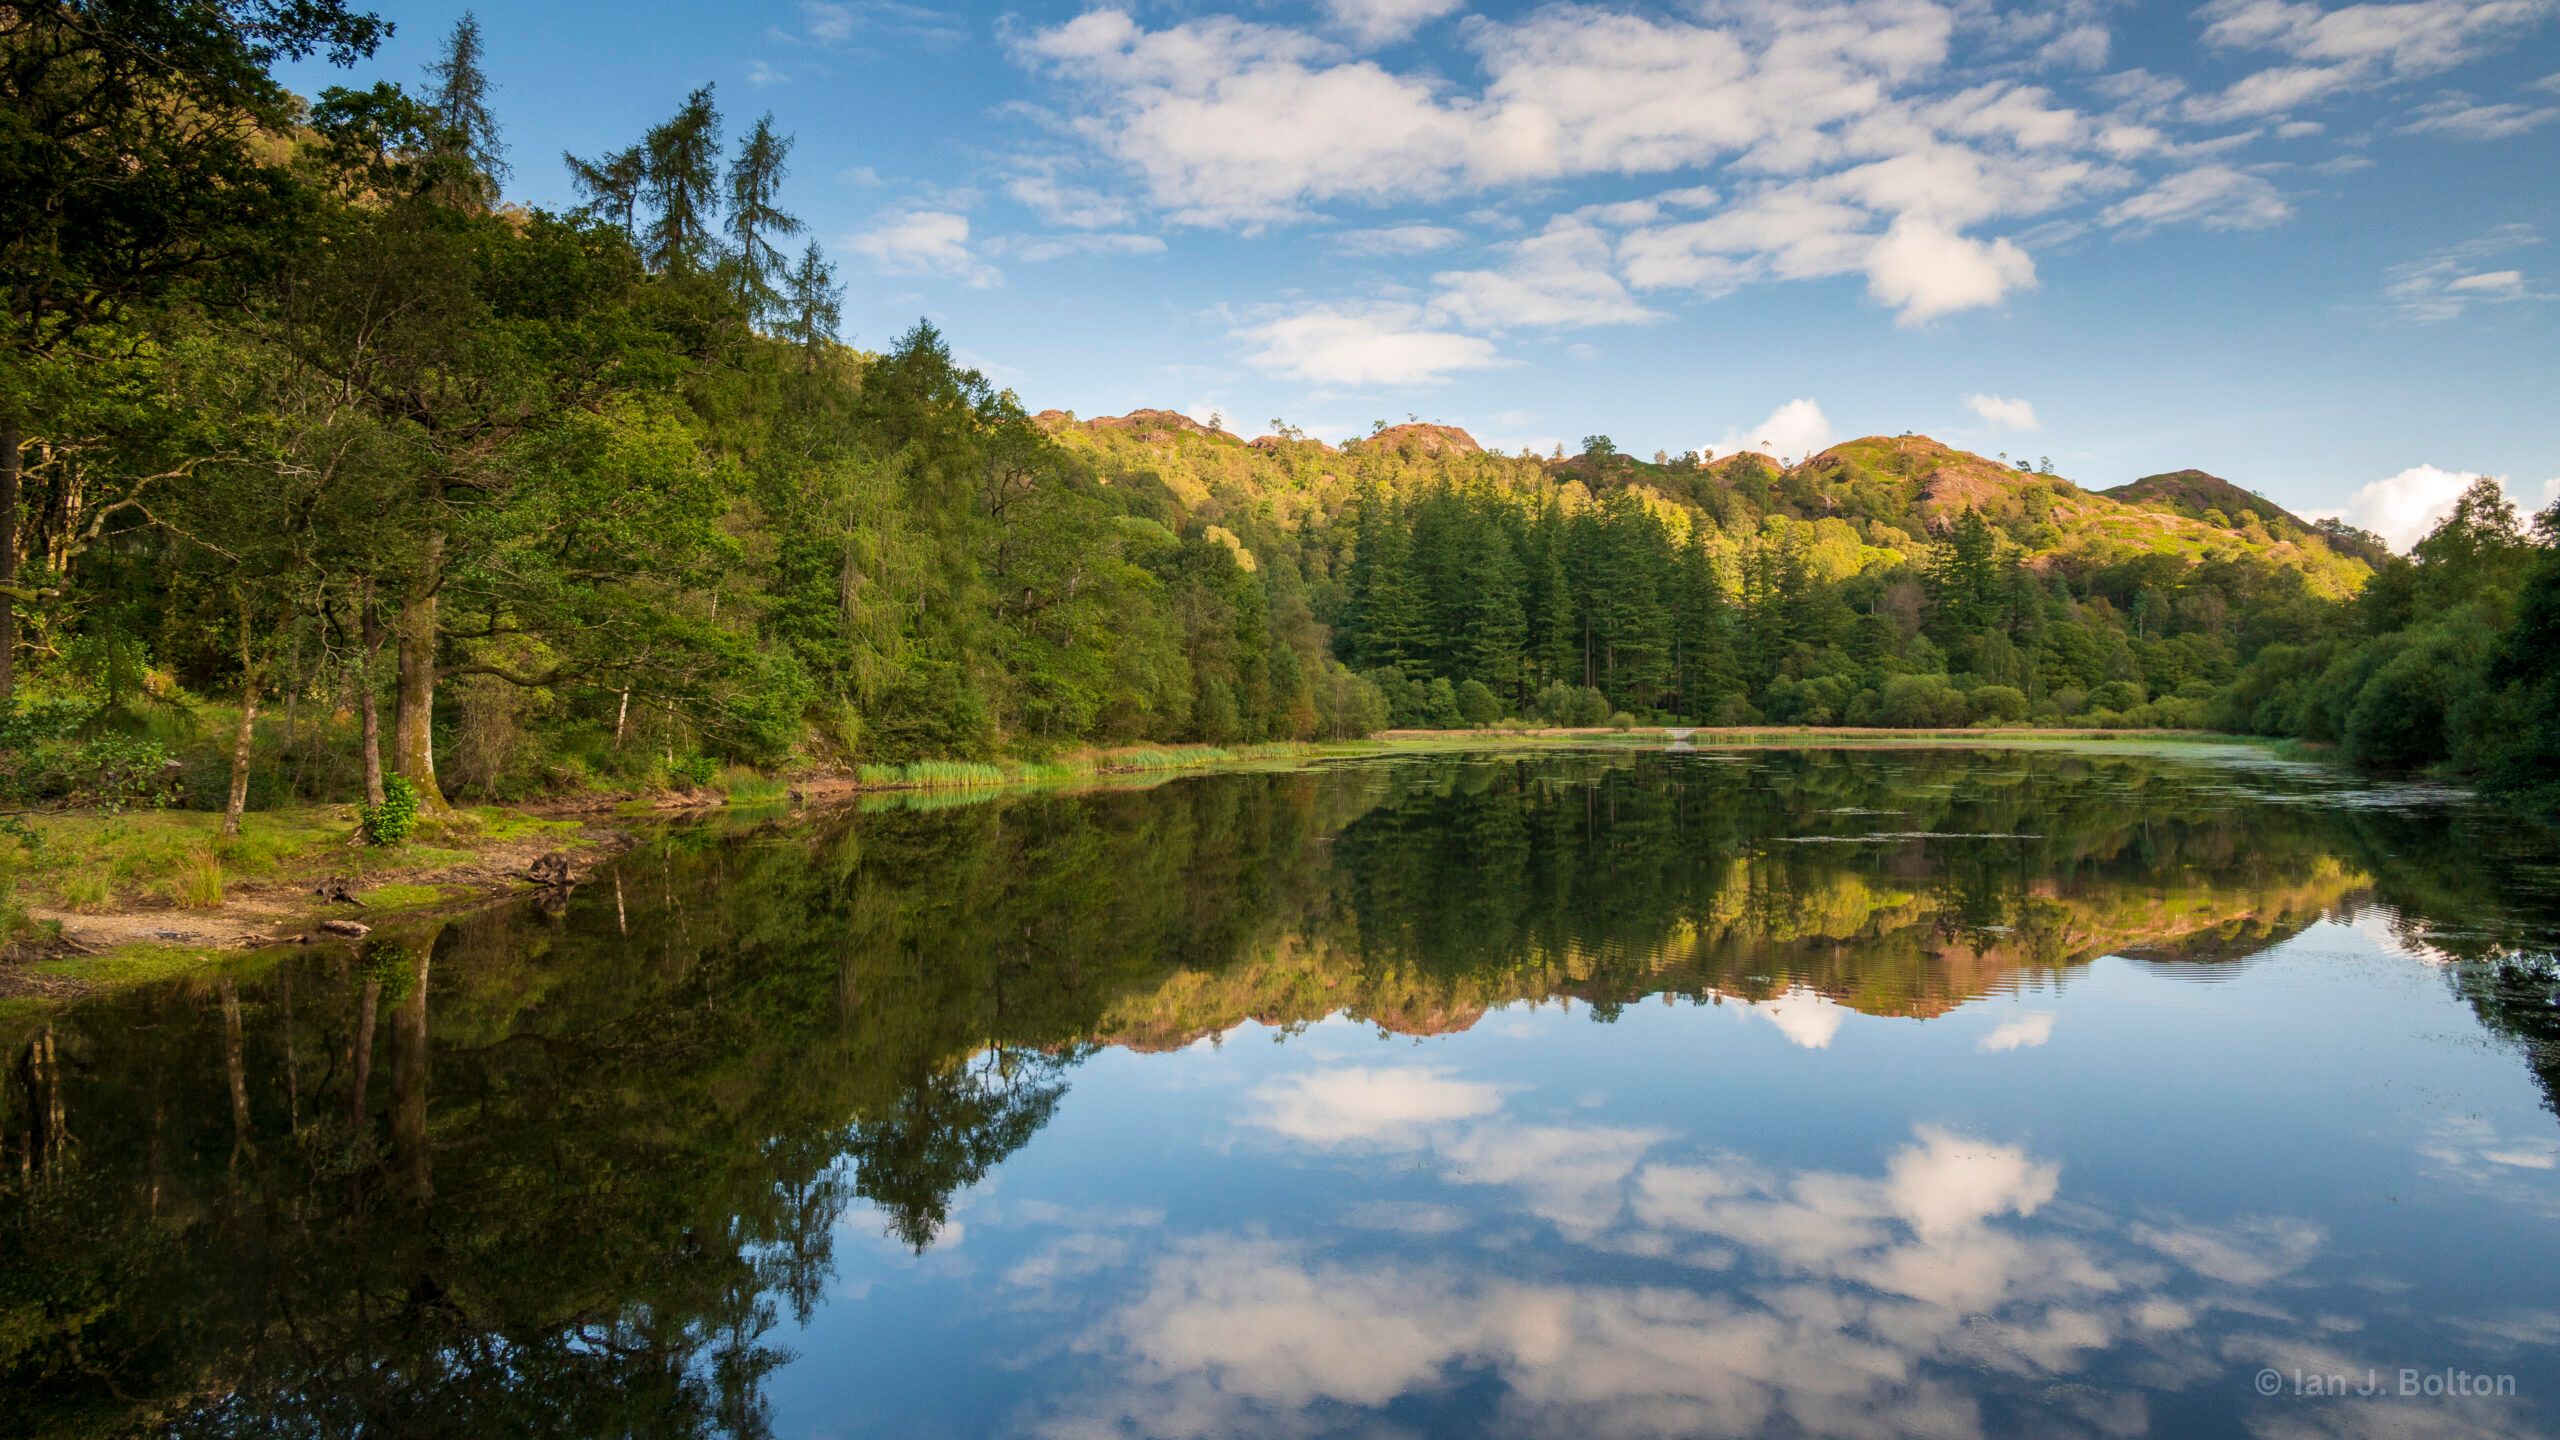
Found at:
<point>1063,204</point>
<point>1386,343</point>
<point>1398,240</point>
<point>839,24</point>
<point>1864,1304</point>
<point>2025,1032</point>
<point>2402,508</point>
<point>2458,116</point>
<point>1809,1019</point>
<point>1359,1105</point>
<point>2446,283</point>
<point>1232,123</point>
<point>1924,270</point>
<point>2082,46</point>
<point>2216,197</point>
<point>1558,279</point>
<point>1375,22</point>
<point>2503,283</point>
<point>2004,411</point>
<point>924,242</point>
<point>1058,247</point>
<point>2352,46</point>
<point>1795,429</point>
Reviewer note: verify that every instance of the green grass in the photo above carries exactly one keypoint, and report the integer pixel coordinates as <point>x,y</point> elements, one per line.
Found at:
<point>90,862</point>
<point>744,786</point>
<point>196,884</point>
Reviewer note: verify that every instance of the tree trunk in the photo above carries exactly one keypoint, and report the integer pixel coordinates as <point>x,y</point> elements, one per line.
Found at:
<point>413,742</point>
<point>236,1070</point>
<point>369,627</point>
<point>239,800</point>
<point>241,742</point>
<point>410,1148</point>
<point>10,440</point>
<point>360,1052</point>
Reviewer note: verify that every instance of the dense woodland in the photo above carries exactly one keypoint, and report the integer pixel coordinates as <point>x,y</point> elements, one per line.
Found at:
<point>325,466</point>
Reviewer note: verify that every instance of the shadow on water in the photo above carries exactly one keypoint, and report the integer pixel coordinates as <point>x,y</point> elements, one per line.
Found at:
<point>569,1173</point>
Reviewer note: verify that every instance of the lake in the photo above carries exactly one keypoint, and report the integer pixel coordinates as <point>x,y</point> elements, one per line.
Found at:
<point>1865,1092</point>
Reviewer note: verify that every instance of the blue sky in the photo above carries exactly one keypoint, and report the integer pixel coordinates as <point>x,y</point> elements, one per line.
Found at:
<point>2306,246</point>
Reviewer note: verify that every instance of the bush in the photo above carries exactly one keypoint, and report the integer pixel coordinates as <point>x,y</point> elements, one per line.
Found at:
<point>1998,704</point>
<point>1622,721</point>
<point>2116,695</point>
<point>1920,702</point>
<point>117,772</point>
<point>1440,705</point>
<point>1818,700</point>
<point>394,820</point>
<point>1347,706</point>
<point>1477,705</point>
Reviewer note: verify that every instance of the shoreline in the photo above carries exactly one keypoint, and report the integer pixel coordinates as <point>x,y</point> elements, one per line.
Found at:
<point>479,857</point>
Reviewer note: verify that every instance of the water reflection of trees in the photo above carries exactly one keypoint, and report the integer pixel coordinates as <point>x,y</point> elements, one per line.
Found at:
<point>564,1174</point>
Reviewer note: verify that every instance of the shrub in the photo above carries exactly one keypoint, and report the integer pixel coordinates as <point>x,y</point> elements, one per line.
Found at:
<point>118,772</point>
<point>1999,704</point>
<point>1347,706</point>
<point>197,882</point>
<point>1622,721</point>
<point>1440,704</point>
<point>1477,705</point>
<point>2116,695</point>
<point>1920,702</point>
<point>394,820</point>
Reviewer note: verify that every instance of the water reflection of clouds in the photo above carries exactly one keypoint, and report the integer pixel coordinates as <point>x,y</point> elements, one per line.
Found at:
<point>2022,1032</point>
<point>1808,1018</point>
<point>1929,1297</point>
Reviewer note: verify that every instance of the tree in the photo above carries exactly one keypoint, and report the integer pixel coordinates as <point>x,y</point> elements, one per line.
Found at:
<point>465,135</point>
<point>613,184</point>
<point>136,160</point>
<point>680,168</point>
<point>815,306</point>
<point>757,220</point>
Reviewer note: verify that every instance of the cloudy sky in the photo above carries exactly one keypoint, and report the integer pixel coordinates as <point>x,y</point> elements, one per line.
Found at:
<point>2307,246</point>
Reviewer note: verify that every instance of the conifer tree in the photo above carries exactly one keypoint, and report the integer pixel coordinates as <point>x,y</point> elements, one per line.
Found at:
<point>681,169</point>
<point>757,220</point>
<point>815,305</point>
<point>465,136</point>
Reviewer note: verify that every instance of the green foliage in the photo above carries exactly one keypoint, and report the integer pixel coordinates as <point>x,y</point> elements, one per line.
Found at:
<point>393,821</point>
<point>112,773</point>
<point>605,487</point>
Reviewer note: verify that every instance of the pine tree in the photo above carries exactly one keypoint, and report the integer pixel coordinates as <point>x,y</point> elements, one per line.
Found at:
<point>1554,627</point>
<point>1966,580</point>
<point>756,219</point>
<point>612,184</point>
<point>816,305</point>
<point>465,140</point>
<point>681,166</point>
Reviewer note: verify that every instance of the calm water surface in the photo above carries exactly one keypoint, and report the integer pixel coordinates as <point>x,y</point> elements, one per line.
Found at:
<point>1851,1093</point>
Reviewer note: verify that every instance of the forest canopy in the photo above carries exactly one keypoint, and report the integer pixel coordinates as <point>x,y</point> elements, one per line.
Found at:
<point>326,463</point>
